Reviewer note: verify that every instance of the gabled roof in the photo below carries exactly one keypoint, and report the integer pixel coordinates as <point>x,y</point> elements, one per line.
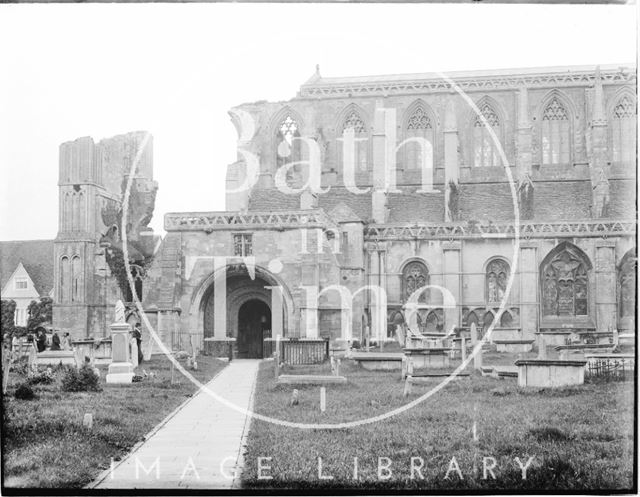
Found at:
<point>342,213</point>
<point>36,257</point>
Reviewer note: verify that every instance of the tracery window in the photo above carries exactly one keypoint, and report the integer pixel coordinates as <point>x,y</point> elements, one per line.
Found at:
<point>496,277</point>
<point>485,152</point>
<point>358,152</point>
<point>565,283</point>
<point>556,133</point>
<point>623,129</point>
<point>418,127</point>
<point>287,146</point>
<point>415,275</point>
<point>627,278</point>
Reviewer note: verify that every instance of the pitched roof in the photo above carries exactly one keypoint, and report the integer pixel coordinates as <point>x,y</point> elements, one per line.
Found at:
<point>36,257</point>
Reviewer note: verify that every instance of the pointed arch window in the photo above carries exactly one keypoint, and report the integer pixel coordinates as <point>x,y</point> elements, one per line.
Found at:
<point>420,128</point>
<point>485,152</point>
<point>565,283</point>
<point>623,129</point>
<point>415,275</point>
<point>76,280</point>
<point>496,277</point>
<point>65,280</point>
<point>358,153</point>
<point>556,133</point>
<point>287,146</point>
<point>627,281</point>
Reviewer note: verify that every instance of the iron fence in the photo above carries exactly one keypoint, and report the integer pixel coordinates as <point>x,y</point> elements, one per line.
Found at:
<point>610,369</point>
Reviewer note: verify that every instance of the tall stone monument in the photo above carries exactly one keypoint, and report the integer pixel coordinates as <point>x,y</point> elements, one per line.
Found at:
<point>120,369</point>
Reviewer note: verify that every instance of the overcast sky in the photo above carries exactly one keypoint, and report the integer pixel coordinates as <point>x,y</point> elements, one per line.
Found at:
<point>175,69</point>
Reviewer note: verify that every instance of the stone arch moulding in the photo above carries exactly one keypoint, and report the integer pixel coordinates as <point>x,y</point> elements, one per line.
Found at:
<point>200,294</point>
<point>563,98</point>
<point>413,107</point>
<point>422,273</point>
<point>627,285</point>
<point>495,105</point>
<point>485,270</point>
<point>615,98</point>
<point>346,112</point>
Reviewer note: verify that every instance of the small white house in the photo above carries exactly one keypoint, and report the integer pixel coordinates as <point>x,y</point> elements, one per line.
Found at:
<point>26,274</point>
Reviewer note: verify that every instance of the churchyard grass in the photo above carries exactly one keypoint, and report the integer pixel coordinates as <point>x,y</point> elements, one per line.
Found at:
<point>45,444</point>
<point>580,438</point>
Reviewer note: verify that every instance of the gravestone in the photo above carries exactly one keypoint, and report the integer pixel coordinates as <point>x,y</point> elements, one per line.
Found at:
<point>323,399</point>
<point>400,335</point>
<point>32,356</point>
<point>542,347</point>
<point>473,330</point>
<point>87,421</point>
<point>463,348</point>
<point>477,358</point>
<point>134,352</point>
<point>6,367</point>
<point>121,368</point>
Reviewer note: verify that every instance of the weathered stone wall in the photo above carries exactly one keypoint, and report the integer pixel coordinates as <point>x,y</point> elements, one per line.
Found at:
<point>91,187</point>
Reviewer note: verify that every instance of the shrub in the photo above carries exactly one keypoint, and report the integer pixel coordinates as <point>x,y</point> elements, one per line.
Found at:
<point>24,392</point>
<point>40,377</point>
<point>81,380</point>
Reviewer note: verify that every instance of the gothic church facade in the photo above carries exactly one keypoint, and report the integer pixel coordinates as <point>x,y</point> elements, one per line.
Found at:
<point>569,139</point>
<point>568,135</point>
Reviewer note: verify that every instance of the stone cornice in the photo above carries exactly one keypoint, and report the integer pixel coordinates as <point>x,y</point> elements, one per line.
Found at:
<point>251,220</point>
<point>432,83</point>
<point>505,230</point>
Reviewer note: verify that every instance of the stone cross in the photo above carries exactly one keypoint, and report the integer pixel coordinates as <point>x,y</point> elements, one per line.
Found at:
<point>119,312</point>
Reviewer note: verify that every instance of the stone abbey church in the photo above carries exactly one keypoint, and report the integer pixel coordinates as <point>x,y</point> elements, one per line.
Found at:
<point>568,134</point>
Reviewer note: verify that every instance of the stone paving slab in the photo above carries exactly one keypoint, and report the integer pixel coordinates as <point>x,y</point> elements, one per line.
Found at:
<point>199,446</point>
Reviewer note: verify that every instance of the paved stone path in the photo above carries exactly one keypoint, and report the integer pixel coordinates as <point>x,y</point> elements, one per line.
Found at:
<point>190,448</point>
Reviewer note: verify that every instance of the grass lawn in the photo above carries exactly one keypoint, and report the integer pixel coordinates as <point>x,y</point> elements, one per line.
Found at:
<point>45,444</point>
<point>580,438</point>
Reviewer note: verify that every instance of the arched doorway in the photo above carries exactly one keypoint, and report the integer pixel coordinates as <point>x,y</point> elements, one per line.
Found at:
<point>254,324</point>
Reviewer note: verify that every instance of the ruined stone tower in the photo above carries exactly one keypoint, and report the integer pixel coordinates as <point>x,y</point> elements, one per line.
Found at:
<point>88,262</point>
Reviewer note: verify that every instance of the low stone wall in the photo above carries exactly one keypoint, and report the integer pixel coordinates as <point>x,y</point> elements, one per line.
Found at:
<point>220,347</point>
<point>514,346</point>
